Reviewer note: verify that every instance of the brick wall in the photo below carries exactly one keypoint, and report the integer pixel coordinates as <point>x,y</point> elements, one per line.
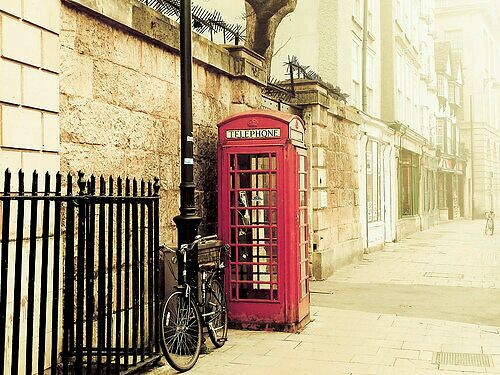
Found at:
<point>120,99</point>
<point>29,85</point>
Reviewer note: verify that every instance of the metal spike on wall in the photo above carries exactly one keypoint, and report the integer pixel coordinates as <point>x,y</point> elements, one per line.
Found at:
<point>203,19</point>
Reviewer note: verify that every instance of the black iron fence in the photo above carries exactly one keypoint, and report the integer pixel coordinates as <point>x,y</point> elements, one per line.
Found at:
<point>79,276</point>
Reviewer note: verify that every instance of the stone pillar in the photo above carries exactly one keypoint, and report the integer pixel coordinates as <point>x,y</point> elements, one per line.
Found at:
<point>247,68</point>
<point>334,180</point>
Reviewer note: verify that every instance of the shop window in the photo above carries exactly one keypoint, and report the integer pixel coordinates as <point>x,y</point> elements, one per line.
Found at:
<point>409,183</point>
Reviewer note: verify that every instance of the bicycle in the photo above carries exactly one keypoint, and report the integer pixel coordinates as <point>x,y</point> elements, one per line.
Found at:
<point>490,224</point>
<point>184,314</point>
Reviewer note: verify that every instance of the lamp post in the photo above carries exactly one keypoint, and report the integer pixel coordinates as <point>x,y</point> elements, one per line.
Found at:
<point>187,221</point>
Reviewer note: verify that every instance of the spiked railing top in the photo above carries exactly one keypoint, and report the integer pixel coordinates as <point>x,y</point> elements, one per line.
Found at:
<point>203,20</point>
<point>298,71</point>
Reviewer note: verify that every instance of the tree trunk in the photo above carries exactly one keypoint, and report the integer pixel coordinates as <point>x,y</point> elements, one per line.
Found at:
<point>263,19</point>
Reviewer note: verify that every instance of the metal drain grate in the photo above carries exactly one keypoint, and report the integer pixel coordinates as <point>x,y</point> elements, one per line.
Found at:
<point>462,359</point>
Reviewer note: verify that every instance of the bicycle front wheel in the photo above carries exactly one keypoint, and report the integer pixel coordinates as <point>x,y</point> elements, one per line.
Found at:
<point>180,331</point>
<point>216,314</point>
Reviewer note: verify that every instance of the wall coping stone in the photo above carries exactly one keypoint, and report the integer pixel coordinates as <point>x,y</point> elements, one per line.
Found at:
<point>138,18</point>
<point>313,93</point>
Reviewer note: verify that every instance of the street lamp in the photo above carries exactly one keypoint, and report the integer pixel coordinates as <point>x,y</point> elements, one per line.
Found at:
<point>187,221</point>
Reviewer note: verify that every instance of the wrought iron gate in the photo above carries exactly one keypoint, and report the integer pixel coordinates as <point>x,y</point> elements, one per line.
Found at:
<point>84,275</point>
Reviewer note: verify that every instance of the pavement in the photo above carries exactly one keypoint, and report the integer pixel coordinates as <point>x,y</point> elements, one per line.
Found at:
<point>429,304</point>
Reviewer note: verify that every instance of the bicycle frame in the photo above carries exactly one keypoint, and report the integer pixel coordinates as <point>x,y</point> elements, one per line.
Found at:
<point>205,281</point>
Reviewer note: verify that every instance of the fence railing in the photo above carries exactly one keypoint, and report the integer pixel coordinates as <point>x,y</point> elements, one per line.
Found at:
<point>79,276</point>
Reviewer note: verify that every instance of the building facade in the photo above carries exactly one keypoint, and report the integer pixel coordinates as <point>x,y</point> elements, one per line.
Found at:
<point>472,29</point>
<point>451,158</point>
<point>409,105</point>
<point>342,43</point>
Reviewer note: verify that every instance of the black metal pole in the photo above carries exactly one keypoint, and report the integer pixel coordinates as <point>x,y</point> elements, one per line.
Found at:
<point>187,222</point>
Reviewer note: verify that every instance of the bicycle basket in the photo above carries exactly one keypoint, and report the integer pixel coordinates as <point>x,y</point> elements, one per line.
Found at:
<point>209,253</point>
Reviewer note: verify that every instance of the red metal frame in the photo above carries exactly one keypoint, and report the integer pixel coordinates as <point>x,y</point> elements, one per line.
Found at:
<point>247,211</point>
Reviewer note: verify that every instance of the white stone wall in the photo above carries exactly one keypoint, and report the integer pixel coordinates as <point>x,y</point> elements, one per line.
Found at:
<point>29,85</point>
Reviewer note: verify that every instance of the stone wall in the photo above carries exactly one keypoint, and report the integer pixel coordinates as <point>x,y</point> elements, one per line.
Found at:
<point>29,140</point>
<point>29,79</point>
<point>334,183</point>
<point>120,99</point>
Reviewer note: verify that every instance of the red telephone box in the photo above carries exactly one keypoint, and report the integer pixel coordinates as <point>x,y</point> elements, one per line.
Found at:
<point>263,215</point>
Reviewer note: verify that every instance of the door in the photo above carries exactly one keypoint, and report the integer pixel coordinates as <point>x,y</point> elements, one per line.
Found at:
<point>252,230</point>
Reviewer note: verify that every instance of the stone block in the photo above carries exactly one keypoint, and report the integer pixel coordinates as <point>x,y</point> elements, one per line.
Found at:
<point>11,6</point>
<point>9,159</point>
<point>125,87</point>
<point>21,128</point>
<point>50,51</point>
<point>319,157</point>
<point>10,81</point>
<point>321,177</point>
<point>21,41</point>
<point>44,13</point>
<point>127,49</point>
<point>41,162</point>
<point>76,73</point>
<point>40,89</point>
<point>160,63</point>
<point>94,37</point>
<point>317,133</point>
<point>51,132</point>
<point>120,11</point>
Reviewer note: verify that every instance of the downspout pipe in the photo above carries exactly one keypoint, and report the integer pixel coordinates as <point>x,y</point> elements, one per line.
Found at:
<point>364,95</point>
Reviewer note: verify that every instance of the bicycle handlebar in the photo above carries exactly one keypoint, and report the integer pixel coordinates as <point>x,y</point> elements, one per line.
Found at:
<point>189,246</point>
<point>197,240</point>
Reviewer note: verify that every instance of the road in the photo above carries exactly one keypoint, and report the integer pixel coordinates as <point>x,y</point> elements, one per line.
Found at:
<point>429,304</point>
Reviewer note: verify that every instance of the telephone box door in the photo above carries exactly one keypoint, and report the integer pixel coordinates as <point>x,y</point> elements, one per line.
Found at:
<point>303,237</point>
<point>253,204</point>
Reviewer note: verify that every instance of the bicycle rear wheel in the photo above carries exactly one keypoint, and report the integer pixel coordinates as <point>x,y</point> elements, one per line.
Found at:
<point>217,309</point>
<point>180,331</point>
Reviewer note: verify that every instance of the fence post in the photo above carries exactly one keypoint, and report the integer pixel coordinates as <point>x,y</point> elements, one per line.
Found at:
<point>31,272</point>
<point>17,277</point>
<point>4,265</point>
<point>80,286</point>
<point>69,283</point>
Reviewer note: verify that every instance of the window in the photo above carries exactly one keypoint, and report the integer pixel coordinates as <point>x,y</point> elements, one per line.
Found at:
<point>356,11</point>
<point>356,73</point>
<point>369,19</point>
<point>449,138</point>
<point>441,134</point>
<point>442,190</point>
<point>373,182</point>
<point>408,183</point>
<point>400,87</point>
<point>451,93</point>
<point>455,38</point>
<point>442,86</point>
<point>370,72</point>
<point>399,11</point>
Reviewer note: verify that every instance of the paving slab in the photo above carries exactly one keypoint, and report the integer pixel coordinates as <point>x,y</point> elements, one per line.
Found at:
<point>436,291</point>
